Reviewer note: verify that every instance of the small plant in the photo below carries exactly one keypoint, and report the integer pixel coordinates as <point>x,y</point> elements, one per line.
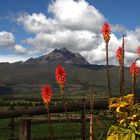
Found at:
<point>125,109</point>
<point>127,114</point>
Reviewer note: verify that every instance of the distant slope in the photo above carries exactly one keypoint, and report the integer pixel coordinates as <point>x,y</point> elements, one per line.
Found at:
<point>61,56</point>
<point>28,77</point>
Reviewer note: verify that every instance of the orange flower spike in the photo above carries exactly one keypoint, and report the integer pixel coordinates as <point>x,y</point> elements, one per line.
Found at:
<point>106,30</point>
<point>138,51</point>
<point>134,69</point>
<point>60,75</point>
<point>119,54</point>
<point>47,94</point>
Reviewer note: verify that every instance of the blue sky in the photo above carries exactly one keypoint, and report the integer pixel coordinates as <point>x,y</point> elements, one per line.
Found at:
<point>31,28</point>
<point>124,12</point>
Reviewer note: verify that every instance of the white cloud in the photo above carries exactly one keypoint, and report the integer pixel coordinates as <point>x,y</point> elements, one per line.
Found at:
<point>12,58</point>
<point>132,40</point>
<point>37,22</point>
<point>98,55</point>
<point>7,39</point>
<point>77,15</point>
<point>77,31</point>
<point>118,28</point>
<point>19,49</point>
<point>70,14</point>
<point>73,40</point>
<point>77,26</point>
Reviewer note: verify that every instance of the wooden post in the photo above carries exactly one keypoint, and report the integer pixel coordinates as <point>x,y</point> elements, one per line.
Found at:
<point>91,126</point>
<point>83,118</point>
<point>25,129</point>
<point>12,128</point>
<point>11,125</point>
<point>123,80</point>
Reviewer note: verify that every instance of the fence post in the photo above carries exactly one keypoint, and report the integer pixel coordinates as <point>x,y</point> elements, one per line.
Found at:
<point>25,129</point>
<point>11,125</point>
<point>83,118</point>
<point>12,128</point>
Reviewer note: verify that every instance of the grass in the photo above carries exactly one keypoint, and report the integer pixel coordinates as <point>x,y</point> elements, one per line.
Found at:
<point>41,130</point>
<point>59,129</point>
<point>4,133</point>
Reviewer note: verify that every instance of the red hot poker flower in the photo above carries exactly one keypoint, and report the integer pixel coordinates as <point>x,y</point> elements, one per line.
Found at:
<point>134,69</point>
<point>138,51</point>
<point>60,75</point>
<point>119,54</point>
<point>106,30</point>
<point>46,94</point>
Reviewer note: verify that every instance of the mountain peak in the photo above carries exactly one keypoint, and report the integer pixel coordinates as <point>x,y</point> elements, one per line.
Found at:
<point>63,49</point>
<point>62,56</point>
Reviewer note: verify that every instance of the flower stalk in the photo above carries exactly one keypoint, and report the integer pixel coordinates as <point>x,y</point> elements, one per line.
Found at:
<point>60,76</point>
<point>121,80</point>
<point>92,93</point>
<point>46,97</point>
<point>107,71</point>
<point>49,121</point>
<point>119,56</point>
<point>106,30</point>
<point>134,86</point>
<point>91,126</point>
<point>122,69</point>
<point>134,70</point>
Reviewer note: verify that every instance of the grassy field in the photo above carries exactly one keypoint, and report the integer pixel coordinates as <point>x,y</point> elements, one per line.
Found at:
<point>59,129</point>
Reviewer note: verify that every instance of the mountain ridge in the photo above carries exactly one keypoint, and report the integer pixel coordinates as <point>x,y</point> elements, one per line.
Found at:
<point>59,55</point>
<point>29,76</point>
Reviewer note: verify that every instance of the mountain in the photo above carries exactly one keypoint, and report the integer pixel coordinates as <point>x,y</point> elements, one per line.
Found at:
<point>28,77</point>
<point>59,56</point>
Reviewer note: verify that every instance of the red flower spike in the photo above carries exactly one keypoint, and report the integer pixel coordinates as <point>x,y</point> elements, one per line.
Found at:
<point>119,54</point>
<point>106,30</point>
<point>46,94</point>
<point>138,51</point>
<point>60,75</point>
<point>134,69</point>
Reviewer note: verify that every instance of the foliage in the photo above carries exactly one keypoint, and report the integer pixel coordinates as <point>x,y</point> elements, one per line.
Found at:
<point>127,114</point>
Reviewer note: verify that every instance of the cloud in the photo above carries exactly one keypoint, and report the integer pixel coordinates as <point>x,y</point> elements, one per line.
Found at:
<point>37,22</point>
<point>76,15</point>
<point>132,40</point>
<point>7,39</point>
<point>12,58</point>
<point>118,28</point>
<point>75,25</point>
<point>98,55</point>
<point>19,49</point>
<point>70,14</point>
<point>77,31</point>
<point>73,40</point>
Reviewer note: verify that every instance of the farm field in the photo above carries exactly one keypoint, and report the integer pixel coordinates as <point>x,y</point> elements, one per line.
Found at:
<point>60,128</point>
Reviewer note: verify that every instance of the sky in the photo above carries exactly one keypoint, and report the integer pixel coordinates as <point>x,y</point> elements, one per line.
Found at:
<point>32,28</point>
